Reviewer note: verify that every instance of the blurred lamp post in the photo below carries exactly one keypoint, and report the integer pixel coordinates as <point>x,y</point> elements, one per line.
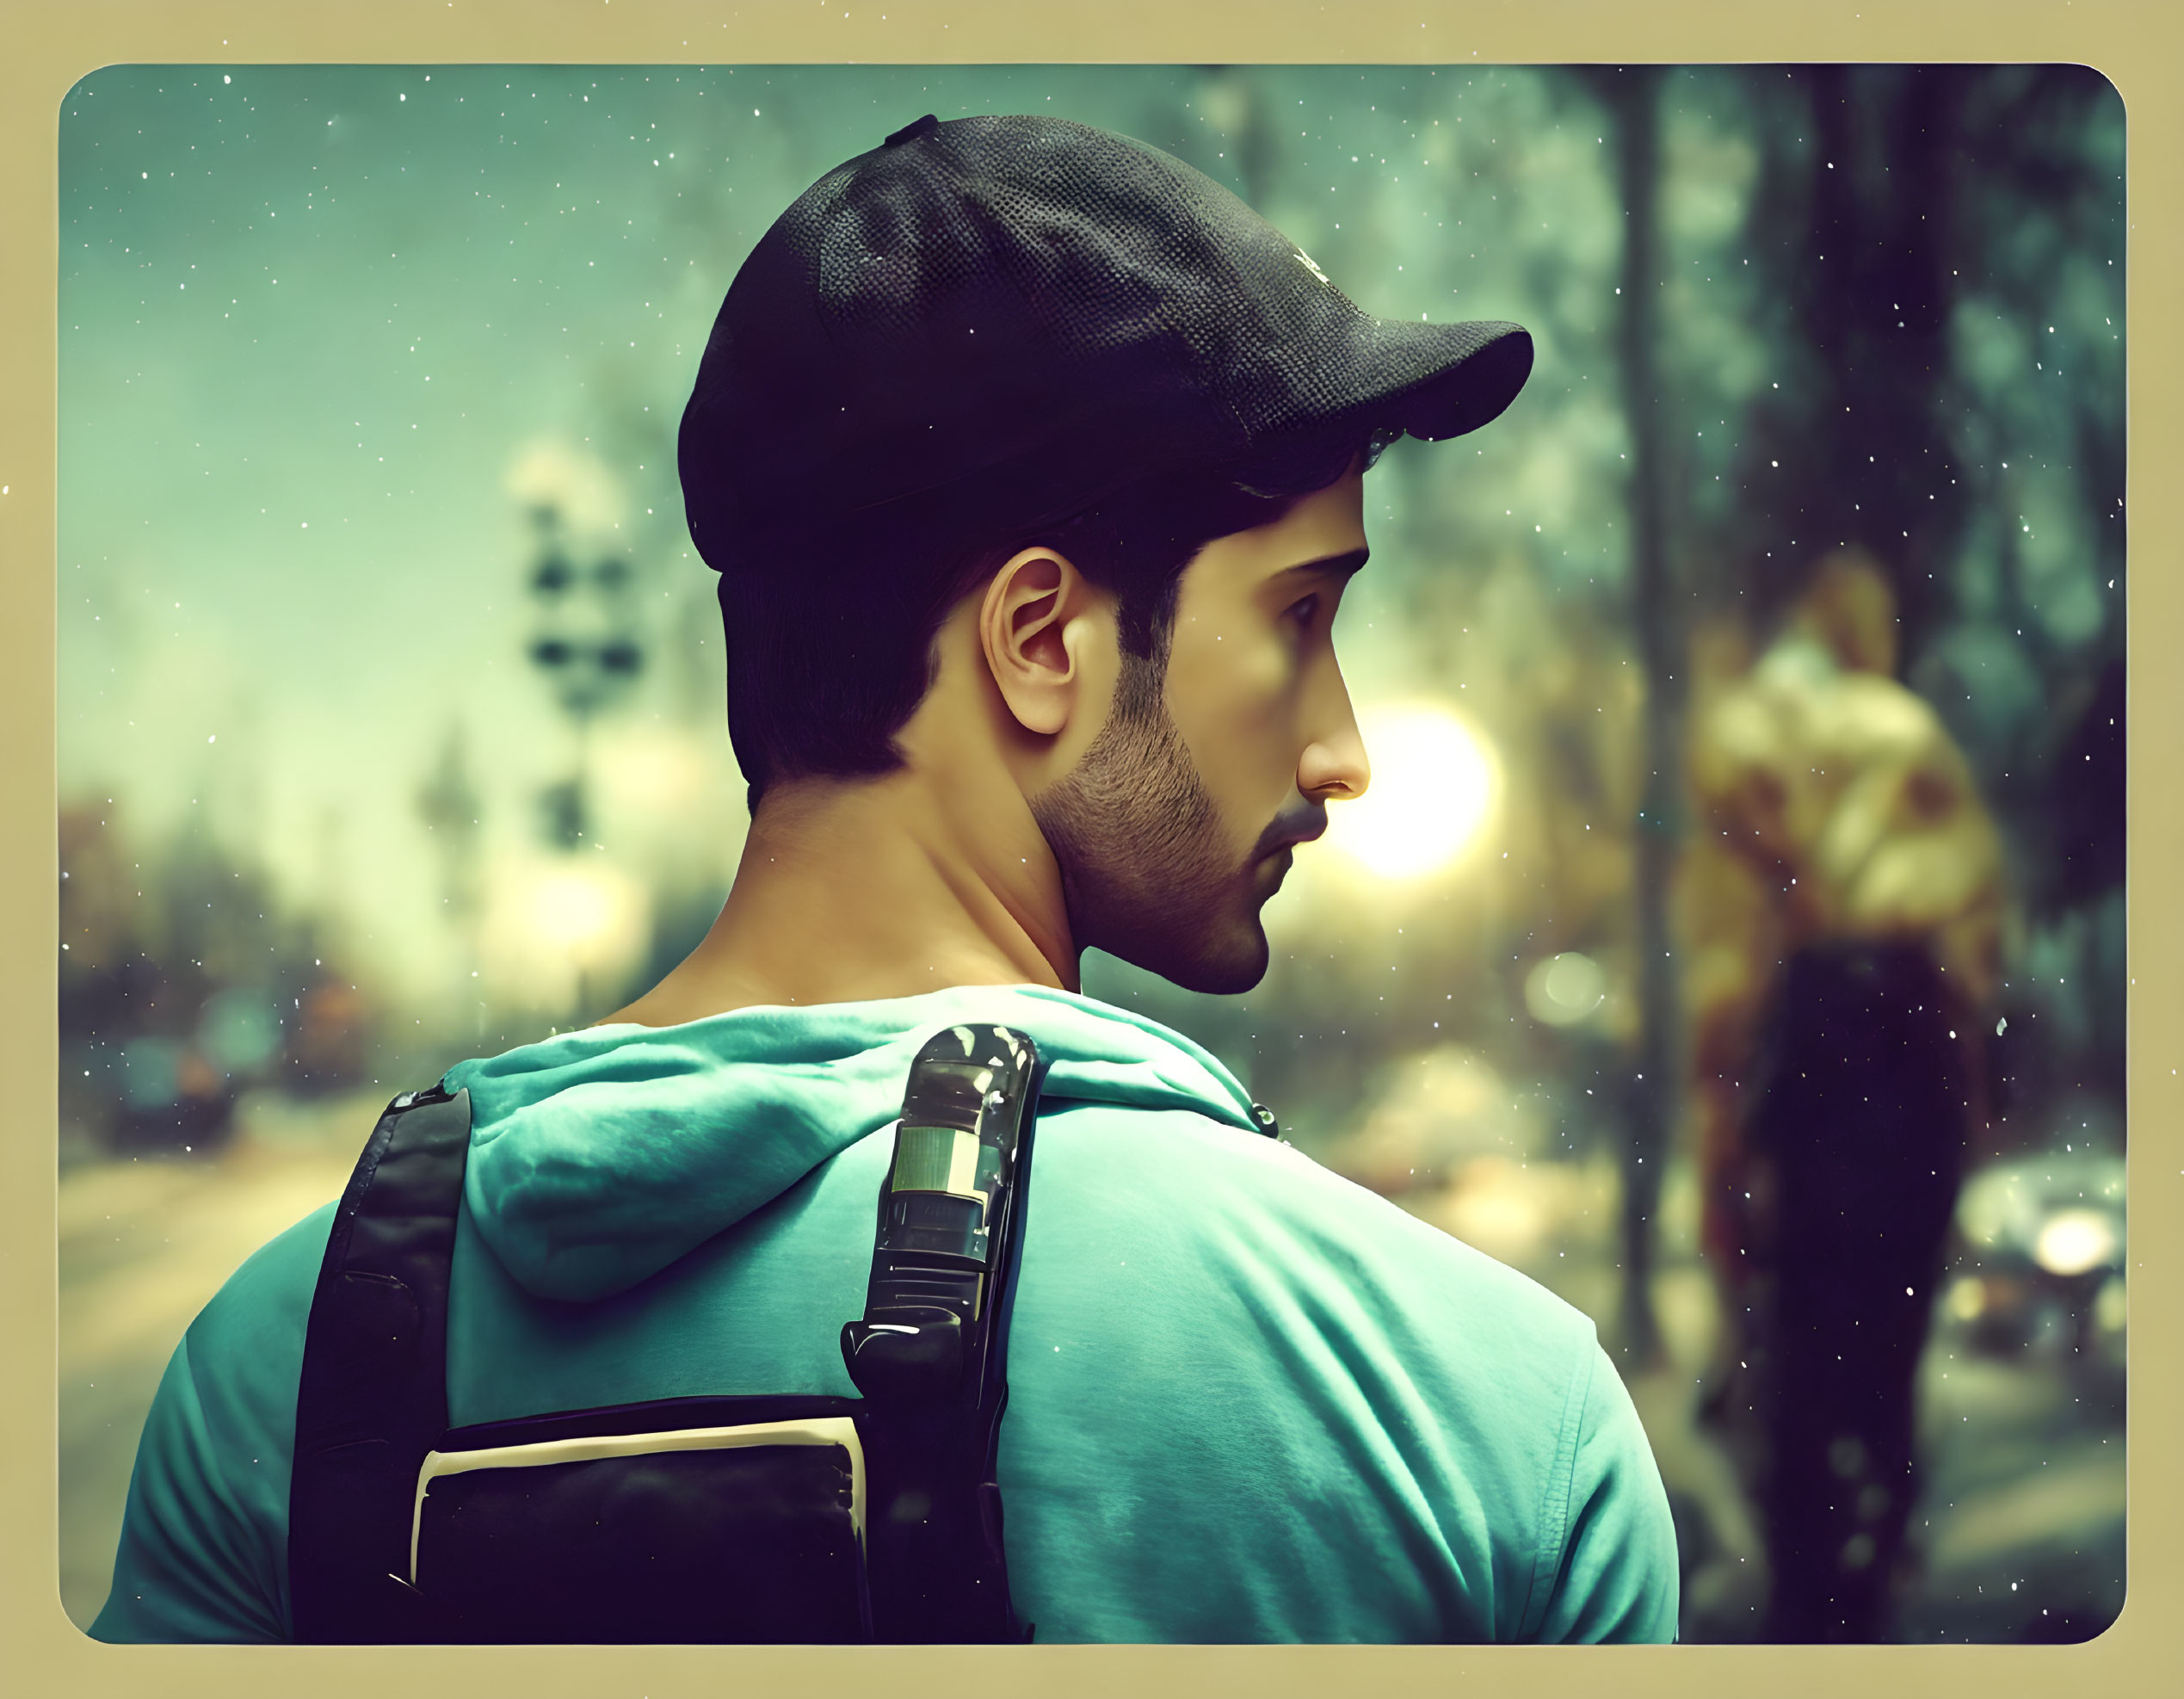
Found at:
<point>585,644</point>
<point>448,804</point>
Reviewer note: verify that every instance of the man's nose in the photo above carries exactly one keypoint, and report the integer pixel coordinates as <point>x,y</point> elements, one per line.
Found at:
<point>1334,764</point>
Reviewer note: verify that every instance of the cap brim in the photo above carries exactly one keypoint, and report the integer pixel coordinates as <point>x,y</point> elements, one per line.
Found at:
<point>1472,371</point>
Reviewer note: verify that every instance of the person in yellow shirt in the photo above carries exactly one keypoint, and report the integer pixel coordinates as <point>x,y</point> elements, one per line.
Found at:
<point>1842,902</point>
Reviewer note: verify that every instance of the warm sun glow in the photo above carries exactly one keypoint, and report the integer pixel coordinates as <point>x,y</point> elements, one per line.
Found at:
<point>1433,786</point>
<point>575,909</point>
<point>556,925</point>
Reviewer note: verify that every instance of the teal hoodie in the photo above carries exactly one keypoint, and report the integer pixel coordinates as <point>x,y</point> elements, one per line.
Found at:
<point>1248,1400</point>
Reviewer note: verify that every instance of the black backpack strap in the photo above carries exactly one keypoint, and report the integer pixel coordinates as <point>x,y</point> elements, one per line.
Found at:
<point>373,1400</point>
<point>930,1353</point>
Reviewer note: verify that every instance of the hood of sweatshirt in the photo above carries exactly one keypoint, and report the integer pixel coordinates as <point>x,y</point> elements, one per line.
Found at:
<point>599,1157</point>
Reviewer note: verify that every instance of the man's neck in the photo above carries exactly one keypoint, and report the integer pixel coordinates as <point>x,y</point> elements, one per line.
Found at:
<point>852,889</point>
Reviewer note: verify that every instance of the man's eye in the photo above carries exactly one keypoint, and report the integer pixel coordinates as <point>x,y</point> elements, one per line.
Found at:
<point>1304,611</point>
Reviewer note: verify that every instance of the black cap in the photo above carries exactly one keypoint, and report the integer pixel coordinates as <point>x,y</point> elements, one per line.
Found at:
<point>1045,312</point>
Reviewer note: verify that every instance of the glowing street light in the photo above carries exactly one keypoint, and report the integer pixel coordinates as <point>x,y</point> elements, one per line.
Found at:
<point>1435,786</point>
<point>2074,1241</point>
<point>557,927</point>
<point>578,912</point>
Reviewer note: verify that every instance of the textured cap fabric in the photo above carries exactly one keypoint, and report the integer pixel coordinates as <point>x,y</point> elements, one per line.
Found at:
<point>1045,312</point>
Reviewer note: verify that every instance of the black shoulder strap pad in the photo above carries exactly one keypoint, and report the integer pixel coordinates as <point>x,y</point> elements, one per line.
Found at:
<point>930,1353</point>
<point>373,1400</point>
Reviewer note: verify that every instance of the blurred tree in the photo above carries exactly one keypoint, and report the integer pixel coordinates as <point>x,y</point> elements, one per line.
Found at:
<point>2028,666</point>
<point>1849,229</point>
<point>1631,95</point>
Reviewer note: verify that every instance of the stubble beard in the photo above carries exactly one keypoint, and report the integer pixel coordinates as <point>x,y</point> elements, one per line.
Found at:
<point>1147,873</point>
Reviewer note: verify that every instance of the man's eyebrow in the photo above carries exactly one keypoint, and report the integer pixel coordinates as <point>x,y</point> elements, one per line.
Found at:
<point>1329,565</point>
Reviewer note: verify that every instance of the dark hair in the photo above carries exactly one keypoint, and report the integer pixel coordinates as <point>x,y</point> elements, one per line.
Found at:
<point>830,653</point>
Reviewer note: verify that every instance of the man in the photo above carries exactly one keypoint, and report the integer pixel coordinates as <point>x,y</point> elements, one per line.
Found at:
<point>1032,463</point>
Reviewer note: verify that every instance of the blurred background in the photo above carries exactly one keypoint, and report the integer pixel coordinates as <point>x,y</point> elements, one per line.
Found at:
<point>1734,934</point>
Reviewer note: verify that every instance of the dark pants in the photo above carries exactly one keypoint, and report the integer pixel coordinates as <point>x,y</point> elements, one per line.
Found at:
<point>1857,1140</point>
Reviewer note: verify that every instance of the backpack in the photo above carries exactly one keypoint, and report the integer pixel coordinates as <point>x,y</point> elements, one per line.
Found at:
<point>771,1518</point>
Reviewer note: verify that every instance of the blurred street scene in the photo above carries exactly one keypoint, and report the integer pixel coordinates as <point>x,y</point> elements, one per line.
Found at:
<point>1732,939</point>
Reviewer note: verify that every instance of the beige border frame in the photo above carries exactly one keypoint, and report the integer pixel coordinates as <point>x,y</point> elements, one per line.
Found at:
<point>2135,46</point>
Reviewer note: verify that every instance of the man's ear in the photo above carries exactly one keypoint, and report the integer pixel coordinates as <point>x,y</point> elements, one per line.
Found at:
<point>1039,615</point>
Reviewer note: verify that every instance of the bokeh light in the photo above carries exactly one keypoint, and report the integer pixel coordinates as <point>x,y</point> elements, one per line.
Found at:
<point>2072,1241</point>
<point>1434,787</point>
<point>1564,989</point>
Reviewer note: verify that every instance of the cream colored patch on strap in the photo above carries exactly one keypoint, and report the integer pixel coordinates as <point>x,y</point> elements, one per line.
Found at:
<point>810,1430</point>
